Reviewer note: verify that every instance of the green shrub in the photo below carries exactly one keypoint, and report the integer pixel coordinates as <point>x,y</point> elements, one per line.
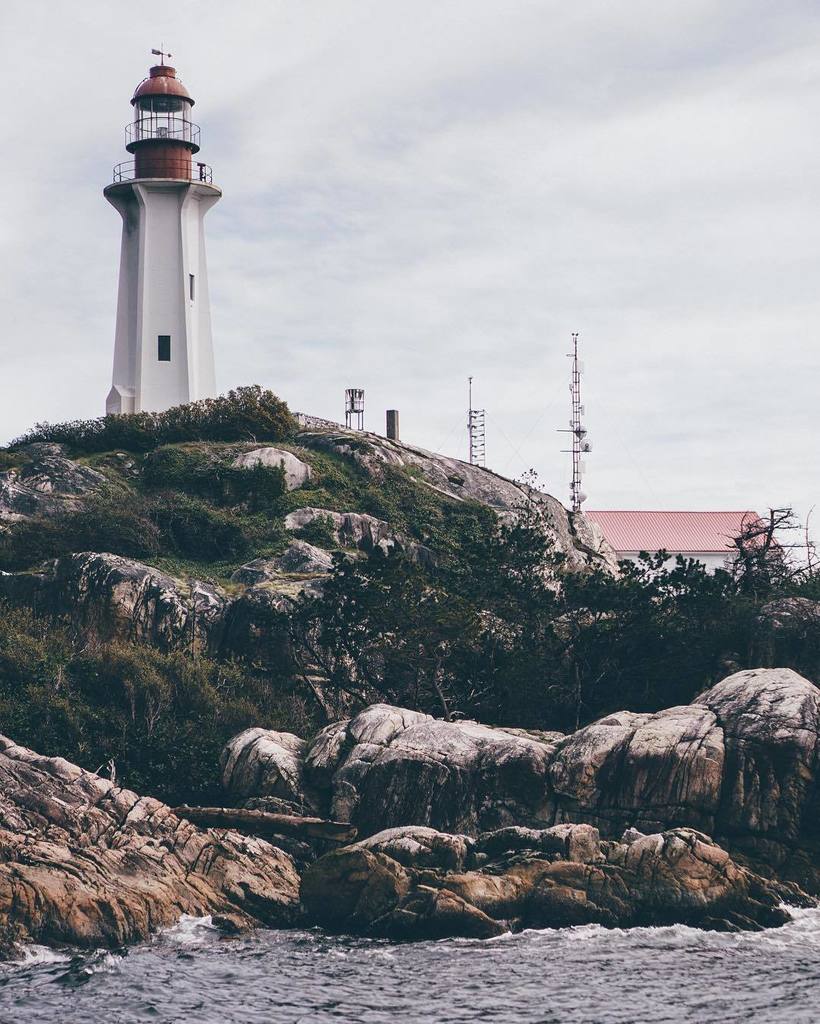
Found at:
<point>162,718</point>
<point>319,531</point>
<point>193,530</point>
<point>106,522</point>
<point>260,486</point>
<point>198,472</point>
<point>245,414</point>
<point>180,469</point>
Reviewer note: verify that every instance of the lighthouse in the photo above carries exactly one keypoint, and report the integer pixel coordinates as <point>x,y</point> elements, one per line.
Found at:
<point>163,350</point>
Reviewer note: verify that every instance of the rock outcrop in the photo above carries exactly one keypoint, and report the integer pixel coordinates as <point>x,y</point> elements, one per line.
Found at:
<point>264,763</point>
<point>87,863</point>
<point>300,559</point>
<point>107,596</point>
<point>579,539</point>
<point>389,766</point>
<point>360,531</point>
<point>740,764</point>
<point>409,884</point>
<point>45,483</point>
<point>297,473</point>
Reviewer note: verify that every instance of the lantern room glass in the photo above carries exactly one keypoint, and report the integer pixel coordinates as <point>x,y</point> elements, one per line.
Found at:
<point>162,117</point>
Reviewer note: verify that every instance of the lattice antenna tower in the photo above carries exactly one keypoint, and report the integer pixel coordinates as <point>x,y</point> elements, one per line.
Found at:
<point>475,430</point>
<point>581,443</point>
<point>354,408</point>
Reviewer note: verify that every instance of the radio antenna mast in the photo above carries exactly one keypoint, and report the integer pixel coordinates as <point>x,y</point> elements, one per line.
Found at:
<point>475,430</point>
<point>580,442</point>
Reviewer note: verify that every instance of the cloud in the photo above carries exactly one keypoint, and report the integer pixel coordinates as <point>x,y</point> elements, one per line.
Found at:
<point>415,193</point>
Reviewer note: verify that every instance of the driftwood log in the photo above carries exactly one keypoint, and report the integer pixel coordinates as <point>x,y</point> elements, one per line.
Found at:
<point>266,823</point>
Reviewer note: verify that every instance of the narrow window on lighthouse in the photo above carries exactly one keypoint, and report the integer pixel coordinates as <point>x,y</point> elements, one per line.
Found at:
<point>191,286</point>
<point>164,348</point>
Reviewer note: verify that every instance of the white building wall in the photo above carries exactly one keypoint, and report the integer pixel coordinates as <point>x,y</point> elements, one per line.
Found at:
<point>163,244</point>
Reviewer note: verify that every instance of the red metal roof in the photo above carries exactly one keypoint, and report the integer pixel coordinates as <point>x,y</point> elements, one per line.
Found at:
<point>687,532</point>
<point>162,81</point>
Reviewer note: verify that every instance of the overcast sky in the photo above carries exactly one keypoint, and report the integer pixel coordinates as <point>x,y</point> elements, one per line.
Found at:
<point>418,190</point>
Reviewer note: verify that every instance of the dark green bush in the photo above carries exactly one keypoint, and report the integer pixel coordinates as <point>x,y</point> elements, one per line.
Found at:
<point>162,718</point>
<point>198,472</point>
<point>108,521</point>
<point>319,531</point>
<point>192,529</point>
<point>260,486</point>
<point>181,469</point>
<point>245,414</point>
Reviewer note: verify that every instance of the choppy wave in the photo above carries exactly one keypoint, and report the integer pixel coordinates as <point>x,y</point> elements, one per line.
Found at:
<point>583,975</point>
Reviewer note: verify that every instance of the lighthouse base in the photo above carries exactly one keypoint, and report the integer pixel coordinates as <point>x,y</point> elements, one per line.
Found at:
<point>163,351</point>
<point>120,400</point>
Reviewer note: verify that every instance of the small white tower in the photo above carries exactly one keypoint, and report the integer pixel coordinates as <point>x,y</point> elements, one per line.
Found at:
<point>163,351</point>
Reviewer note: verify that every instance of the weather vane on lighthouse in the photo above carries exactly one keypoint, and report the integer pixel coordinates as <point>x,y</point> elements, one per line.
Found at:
<point>162,54</point>
<point>163,351</point>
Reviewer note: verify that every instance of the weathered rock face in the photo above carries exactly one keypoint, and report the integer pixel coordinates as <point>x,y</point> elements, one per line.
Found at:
<point>303,559</point>
<point>388,767</point>
<point>650,771</point>
<point>87,863</point>
<point>770,720</point>
<point>739,764</point>
<point>47,483</point>
<point>420,884</point>
<point>108,597</point>
<point>579,539</point>
<point>300,559</point>
<point>297,472</point>
<point>361,531</point>
<point>264,763</point>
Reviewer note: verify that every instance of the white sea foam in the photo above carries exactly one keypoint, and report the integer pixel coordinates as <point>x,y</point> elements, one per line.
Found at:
<point>803,929</point>
<point>32,955</point>
<point>190,931</point>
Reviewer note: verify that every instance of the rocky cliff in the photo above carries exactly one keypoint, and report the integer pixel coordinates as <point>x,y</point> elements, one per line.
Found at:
<point>109,595</point>
<point>88,863</point>
<point>464,830</point>
<point>740,764</point>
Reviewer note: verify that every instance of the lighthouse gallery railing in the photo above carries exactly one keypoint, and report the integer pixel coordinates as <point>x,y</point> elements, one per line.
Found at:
<point>162,126</point>
<point>198,172</point>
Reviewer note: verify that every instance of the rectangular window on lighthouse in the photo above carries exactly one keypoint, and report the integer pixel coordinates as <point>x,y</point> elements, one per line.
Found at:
<point>164,348</point>
<point>191,286</point>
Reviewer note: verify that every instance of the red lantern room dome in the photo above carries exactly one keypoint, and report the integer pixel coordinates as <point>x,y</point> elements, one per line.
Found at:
<point>162,81</point>
<point>162,137</point>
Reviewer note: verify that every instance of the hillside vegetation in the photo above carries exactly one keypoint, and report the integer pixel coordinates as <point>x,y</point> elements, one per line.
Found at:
<point>432,601</point>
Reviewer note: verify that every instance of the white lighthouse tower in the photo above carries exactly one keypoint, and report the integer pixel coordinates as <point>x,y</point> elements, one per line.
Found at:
<point>163,351</point>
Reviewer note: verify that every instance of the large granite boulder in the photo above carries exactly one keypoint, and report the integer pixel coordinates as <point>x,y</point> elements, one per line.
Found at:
<point>770,720</point>
<point>388,767</point>
<point>740,763</point>
<point>651,771</point>
<point>297,473</point>
<point>264,763</point>
<point>85,862</point>
<point>391,885</point>
<point>46,482</point>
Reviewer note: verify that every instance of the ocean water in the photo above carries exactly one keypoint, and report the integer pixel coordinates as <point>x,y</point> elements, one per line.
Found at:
<point>588,974</point>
